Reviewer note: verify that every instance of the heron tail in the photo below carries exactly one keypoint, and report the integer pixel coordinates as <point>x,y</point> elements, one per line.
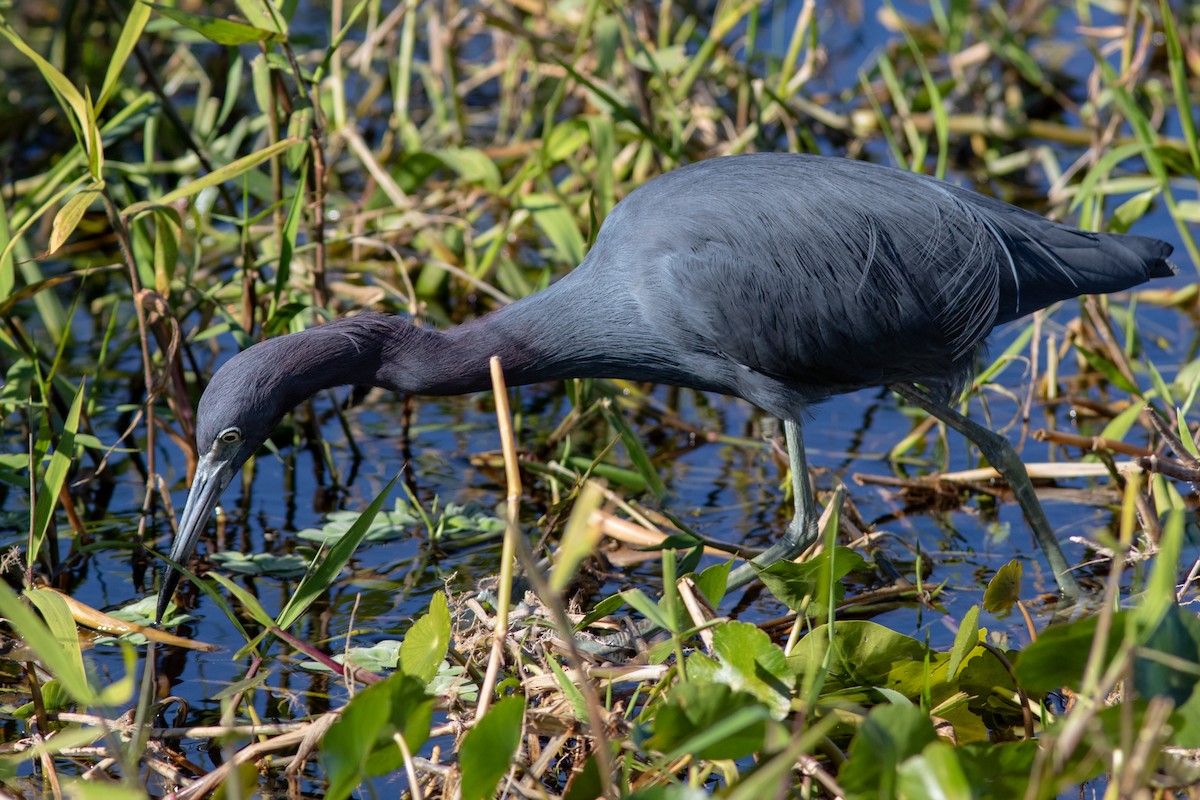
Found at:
<point>1153,253</point>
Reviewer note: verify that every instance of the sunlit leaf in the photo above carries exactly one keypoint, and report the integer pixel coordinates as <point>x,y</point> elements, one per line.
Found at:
<point>1004,589</point>
<point>218,29</point>
<point>426,641</point>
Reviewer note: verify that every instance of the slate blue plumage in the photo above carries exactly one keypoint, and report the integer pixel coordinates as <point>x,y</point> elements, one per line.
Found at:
<point>781,279</point>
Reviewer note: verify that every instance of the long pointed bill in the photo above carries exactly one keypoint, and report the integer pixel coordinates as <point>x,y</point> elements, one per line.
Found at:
<point>212,476</point>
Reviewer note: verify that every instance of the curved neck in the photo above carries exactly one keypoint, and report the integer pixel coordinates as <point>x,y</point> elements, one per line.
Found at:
<point>539,338</point>
<point>560,332</point>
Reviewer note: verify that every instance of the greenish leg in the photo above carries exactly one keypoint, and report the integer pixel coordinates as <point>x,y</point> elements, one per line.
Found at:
<point>1000,454</point>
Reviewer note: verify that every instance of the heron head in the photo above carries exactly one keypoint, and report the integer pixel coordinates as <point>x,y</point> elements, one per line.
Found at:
<point>241,406</point>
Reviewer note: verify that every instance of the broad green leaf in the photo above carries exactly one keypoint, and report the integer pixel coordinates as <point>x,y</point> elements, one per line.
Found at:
<point>708,720</point>
<point>712,582</point>
<point>558,224</point>
<point>936,773</point>
<point>889,735</point>
<point>427,640</point>
<point>807,584</point>
<point>380,657</point>
<point>1168,661</point>
<point>360,744</point>
<point>1059,656</point>
<point>1004,589</point>
<point>60,659</point>
<point>1132,210</point>
<point>747,660</point>
<point>488,748</point>
<point>863,654</point>
<point>217,29</point>
<point>57,616</point>
<point>276,565</point>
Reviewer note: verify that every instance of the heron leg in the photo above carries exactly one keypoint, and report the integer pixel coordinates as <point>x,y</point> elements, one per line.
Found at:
<point>802,531</point>
<point>1000,454</point>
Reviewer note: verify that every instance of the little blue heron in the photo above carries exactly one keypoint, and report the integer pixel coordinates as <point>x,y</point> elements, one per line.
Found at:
<point>781,279</point>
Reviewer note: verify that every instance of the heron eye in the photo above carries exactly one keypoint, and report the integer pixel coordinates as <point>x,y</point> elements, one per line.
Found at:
<point>230,435</point>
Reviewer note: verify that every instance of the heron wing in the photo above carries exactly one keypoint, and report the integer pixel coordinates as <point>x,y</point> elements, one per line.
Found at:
<point>820,274</point>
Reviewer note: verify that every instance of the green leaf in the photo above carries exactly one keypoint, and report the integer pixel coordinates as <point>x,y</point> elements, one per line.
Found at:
<point>889,735</point>
<point>807,585</point>
<point>579,539</point>
<point>360,744</point>
<point>710,721</point>
<point>637,453</point>
<point>249,602</point>
<point>1060,654</point>
<point>51,645</point>
<point>574,695</point>
<point>131,31</point>
<point>1132,210</point>
<point>427,641</point>
<point>56,474</point>
<point>936,773</point>
<point>214,178</point>
<point>1004,589</point>
<point>1109,370</point>
<point>488,748</point>
<point>557,222</point>
<point>70,97</point>
<point>472,165</point>
<point>649,609</point>
<point>862,654</point>
<point>320,579</point>
<point>380,657</point>
<point>217,29</point>
<point>747,660</point>
<point>966,640</point>
<point>1168,661</point>
<point>712,582</point>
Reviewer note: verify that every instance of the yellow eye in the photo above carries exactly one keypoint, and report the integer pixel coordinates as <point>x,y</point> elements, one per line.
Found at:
<point>230,435</point>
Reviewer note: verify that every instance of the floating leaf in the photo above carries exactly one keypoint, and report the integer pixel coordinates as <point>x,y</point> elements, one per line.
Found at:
<point>287,565</point>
